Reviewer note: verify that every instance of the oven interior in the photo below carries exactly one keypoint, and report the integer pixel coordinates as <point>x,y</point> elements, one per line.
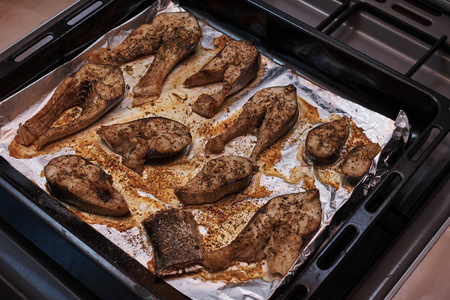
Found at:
<point>320,49</point>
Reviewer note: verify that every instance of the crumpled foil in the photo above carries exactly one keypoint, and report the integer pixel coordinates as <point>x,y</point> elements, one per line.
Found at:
<point>384,131</point>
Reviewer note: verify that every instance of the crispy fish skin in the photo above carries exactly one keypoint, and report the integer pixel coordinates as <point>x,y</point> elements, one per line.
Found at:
<point>75,180</point>
<point>147,138</point>
<point>219,177</point>
<point>176,241</point>
<point>324,143</point>
<point>277,106</point>
<point>358,160</point>
<point>95,88</point>
<point>274,232</point>
<point>234,67</point>
<point>179,35</point>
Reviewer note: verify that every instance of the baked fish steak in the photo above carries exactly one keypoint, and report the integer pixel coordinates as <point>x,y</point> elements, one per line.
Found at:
<point>95,88</point>
<point>75,180</point>
<point>169,36</point>
<point>219,177</point>
<point>146,138</point>
<point>276,107</point>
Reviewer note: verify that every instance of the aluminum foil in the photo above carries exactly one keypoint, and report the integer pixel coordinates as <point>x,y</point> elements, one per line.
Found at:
<point>20,107</point>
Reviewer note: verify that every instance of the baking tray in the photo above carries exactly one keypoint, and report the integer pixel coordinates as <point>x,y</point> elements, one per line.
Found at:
<point>314,55</point>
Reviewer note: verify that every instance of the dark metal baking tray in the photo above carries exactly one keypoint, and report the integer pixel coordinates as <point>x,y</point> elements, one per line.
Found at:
<point>315,55</point>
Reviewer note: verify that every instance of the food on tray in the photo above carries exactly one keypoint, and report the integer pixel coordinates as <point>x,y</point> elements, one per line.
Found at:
<point>219,177</point>
<point>176,241</point>
<point>75,180</point>
<point>278,109</point>
<point>233,67</point>
<point>170,36</point>
<point>324,143</point>
<point>147,138</point>
<point>148,38</point>
<point>275,232</point>
<point>358,160</point>
<point>94,88</point>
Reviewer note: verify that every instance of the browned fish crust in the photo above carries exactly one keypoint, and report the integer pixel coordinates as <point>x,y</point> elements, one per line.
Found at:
<point>219,177</point>
<point>234,67</point>
<point>75,180</point>
<point>176,241</point>
<point>278,109</point>
<point>358,161</point>
<point>324,143</point>
<point>95,88</point>
<point>147,138</point>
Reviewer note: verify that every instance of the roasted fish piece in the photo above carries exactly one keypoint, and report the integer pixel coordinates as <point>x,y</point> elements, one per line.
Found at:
<point>170,36</point>
<point>176,241</point>
<point>324,143</point>
<point>275,232</point>
<point>234,67</point>
<point>147,138</point>
<point>219,177</point>
<point>146,39</point>
<point>277,106</point>
<point>358,160</point>
<point>95,88</point>
<point>75,180</point>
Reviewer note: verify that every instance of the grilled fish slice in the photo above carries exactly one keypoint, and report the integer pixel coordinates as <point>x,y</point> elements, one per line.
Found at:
<point>219,177</point>
<point>176,241</point>
<point>358,160</point>
<point>179,35</point>
<point>278,108</point>
<point>95,88</point>
<point>274,232</point>
<point>144,139</point>
<point>325,142</point>
<point>234,67</point>
<point>75,180</point>
<point>145,40</point>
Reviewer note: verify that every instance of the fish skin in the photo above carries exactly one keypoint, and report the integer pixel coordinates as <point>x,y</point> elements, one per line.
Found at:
<point>176,241</point>
<point>219,177</point>
<point>75,180</point>
<point>95,88</point>
<point>278,109</point>
<point>234,67</point>
<point>139,140</point>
